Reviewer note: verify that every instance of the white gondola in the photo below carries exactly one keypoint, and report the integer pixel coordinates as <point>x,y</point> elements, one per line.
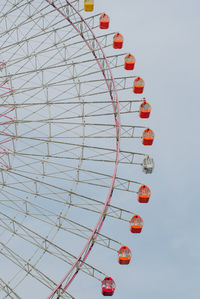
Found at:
<point>148,164</point>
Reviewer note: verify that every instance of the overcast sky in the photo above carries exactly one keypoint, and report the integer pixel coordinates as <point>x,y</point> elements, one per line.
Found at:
<point>164,37</point>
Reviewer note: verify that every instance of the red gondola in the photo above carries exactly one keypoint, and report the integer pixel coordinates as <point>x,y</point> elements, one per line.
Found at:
<point>148,137</point>
<point>145,109</point>
<point>138,86</point>
<point>144,193</point>
<point>108,286</point>
<point>129,62</point>
<point>136,224</point>
<point>124,255</point>
<point>104,21</point>
<point>118,41</point>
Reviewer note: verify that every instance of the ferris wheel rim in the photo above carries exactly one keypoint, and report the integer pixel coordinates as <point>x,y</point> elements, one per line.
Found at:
<point>116,111</point>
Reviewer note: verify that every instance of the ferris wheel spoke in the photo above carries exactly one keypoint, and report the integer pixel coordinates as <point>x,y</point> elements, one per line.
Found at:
<point>114,212</point>
<point>101,182</point>
<point>28,58</point>
<point>70,226</point>
<point>121,84</point>
<point>125,106</point>
<point>127,158</point>
<point>45,245</point>
<point>127,131</point>
<point>84,232</point>
<point>6,288</point>
<point>123,103</point>
<point>29,268</point>
<point>119,180</point>
<point>47,185</point>
<point>66,81</point>
<point>89,204</point>
<point>71,56</point>
<point>102,114</point>
<point>77,76</point>
<point>93,178</point>
<point>128,106</point>
<point>25,39</point>
<point>92,151</point>
<point>114,62</point>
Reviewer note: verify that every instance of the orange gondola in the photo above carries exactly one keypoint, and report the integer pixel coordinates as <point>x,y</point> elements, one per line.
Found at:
<point>136,224</point>
<point>124,255</point>
<point>138,86</point>
<point>129,62</point>
<point>118,41</point>
<point>145,109</point>
<point>104,21</point>
<point>108,286</point>
<point>148,137</point>
<point>144,193</point>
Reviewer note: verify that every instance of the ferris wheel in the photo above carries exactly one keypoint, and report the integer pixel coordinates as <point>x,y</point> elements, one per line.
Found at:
<point>65,120</point>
